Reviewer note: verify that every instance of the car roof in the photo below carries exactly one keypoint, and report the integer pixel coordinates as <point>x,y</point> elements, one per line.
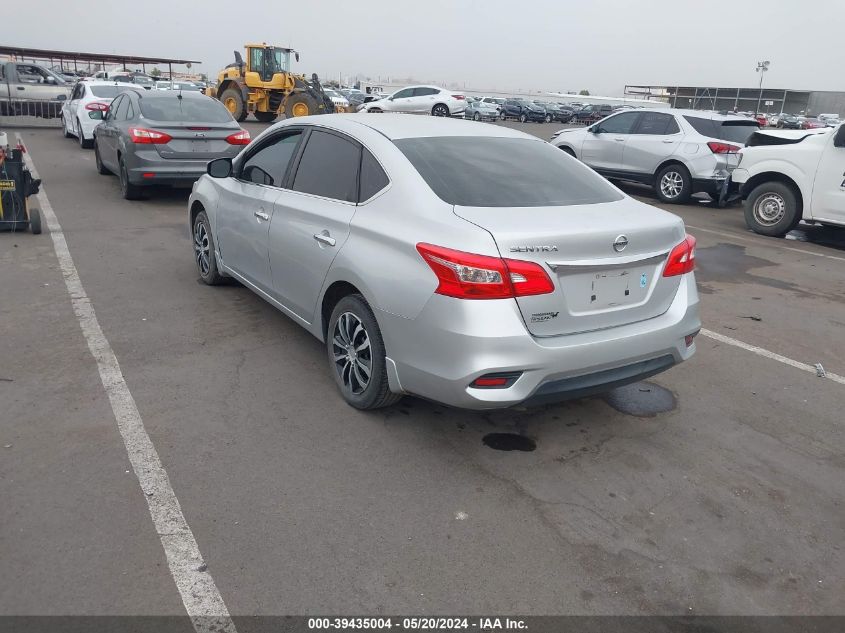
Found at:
<point>399,126</point>
<point>702,114</point>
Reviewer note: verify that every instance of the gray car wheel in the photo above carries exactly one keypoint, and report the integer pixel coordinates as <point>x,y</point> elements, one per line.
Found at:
<point>476,117</point>
<point>204,251</point>
<point>522,118</point>
<point>772,209</point>
<point>673,184</point>
<point>357,355</point>
<point>127,189</point>
<point>440,110</point>
<point>98,160</point>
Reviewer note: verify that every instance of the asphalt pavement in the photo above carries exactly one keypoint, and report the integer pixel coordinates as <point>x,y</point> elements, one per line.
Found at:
<point>715,488</point>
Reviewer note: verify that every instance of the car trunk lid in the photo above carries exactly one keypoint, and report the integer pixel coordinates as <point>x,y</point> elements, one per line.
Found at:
<point>606,261</point>
<point>194,140</point>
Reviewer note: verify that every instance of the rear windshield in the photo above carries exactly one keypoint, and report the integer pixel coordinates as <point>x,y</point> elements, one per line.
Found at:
<point>476,171</point>
<point>732,131</point>
<point>107,92</point>
<point>206,109</point>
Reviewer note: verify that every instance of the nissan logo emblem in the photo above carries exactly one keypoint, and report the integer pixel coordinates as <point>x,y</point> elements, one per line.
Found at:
<point>620,243</point>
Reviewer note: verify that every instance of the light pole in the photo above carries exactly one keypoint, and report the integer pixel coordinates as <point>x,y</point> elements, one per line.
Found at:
<point>762,67</point>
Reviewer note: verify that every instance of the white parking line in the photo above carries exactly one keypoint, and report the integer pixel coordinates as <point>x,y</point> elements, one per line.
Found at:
<point>200,596</point>
<point>771,355</point>
<point>761,243</point>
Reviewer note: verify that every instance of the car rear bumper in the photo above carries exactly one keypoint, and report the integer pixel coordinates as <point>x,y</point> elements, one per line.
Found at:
<point>147,167</point>
<point>452,342</point>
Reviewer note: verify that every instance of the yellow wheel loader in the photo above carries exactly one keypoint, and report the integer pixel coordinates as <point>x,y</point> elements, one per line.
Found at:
<point>264,86</point>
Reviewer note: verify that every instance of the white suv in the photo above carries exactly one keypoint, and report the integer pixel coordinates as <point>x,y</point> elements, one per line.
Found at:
<point>420,100</point>
<point>678,152</point>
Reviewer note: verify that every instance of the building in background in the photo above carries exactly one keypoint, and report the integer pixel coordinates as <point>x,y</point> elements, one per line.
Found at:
<point>771,100</point>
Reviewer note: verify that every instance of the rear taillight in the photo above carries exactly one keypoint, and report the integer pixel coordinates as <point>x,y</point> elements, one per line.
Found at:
<point>723,148</point>
<point>681,259</point>
<point>143,136</point>
<point>97,106</point>
<point>458,97</point>
<point>238,138</point>
<point>469,276</point>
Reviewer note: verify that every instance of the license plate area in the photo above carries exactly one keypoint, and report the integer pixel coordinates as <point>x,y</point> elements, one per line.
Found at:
<point>601,290</point>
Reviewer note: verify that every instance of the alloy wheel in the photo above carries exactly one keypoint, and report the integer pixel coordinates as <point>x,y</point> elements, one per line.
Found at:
<point>352,353</point>
<point>671,184</point>
<point>202,248</point>
<point>769,209</point>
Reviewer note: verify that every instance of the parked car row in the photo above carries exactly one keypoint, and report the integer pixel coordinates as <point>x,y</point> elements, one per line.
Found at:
<point>150,137</point>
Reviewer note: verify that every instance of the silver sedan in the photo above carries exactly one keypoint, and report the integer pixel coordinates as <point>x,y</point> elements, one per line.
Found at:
<point>465,263</point>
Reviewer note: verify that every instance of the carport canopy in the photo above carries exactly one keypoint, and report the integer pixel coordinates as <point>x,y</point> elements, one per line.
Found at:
<point>37,54</point>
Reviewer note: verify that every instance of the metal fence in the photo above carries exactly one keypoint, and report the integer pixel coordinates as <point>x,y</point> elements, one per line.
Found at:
<point>30,112</point>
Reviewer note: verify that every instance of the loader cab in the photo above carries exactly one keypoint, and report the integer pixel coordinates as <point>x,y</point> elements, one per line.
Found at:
<point>267,61</point>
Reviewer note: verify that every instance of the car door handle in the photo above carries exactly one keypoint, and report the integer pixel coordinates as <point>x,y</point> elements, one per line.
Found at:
<point>325,238</point>
<point>668,140</point>
<point>21,88</point>
<point>261,215</point>
<point>621,140</point>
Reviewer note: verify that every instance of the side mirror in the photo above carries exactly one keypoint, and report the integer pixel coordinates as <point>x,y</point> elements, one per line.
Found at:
<point>220,168</point>
<point>296,55</point>
<point>839,139</point>
<point>51,80</point>
<point>390,98</point>
<point>596,129</point>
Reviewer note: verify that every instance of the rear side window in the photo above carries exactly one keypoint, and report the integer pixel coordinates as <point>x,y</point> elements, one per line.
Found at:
<point>732,131</point>
<point>122,108</point>
<point>373,178</point>
<point>476,171</point>
<point>329,167</point>
<point>191,109</point>
<point>424,92</point>
<point>656,123</point>
<point>268,165</point>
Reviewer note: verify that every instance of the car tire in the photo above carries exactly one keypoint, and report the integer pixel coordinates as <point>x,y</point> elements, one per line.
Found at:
<point>35,220</point>
<point>522,118</point>
<point>673,184</point>
<point>772,209</point>
<point>65,133</point>
<point>352,326</point>
<point>548,118</point>
<point>127,189</point>
<point>84,143</point>
<point>440,109</point>
<point>501,116</point>
<point>204,253</point>
<point>476,117</point>
<point>101,169</point>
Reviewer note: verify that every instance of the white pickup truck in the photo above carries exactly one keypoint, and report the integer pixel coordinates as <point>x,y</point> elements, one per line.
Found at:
<point>788,176</point>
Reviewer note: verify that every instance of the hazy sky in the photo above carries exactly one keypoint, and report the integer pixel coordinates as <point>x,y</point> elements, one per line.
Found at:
<point>533,45</point>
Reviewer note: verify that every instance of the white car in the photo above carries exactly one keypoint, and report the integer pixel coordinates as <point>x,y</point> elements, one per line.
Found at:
<point>785,177</point>
<point>177,85</point>
<point>420,100</point>
<point>84,109</point>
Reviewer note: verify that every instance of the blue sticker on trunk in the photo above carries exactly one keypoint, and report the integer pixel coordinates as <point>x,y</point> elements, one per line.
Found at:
<point>643,280</point>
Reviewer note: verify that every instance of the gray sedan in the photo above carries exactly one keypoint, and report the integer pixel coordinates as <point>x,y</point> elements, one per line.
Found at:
<point>466,263</point>
<point>163,137</point>
<point>482,111</point>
